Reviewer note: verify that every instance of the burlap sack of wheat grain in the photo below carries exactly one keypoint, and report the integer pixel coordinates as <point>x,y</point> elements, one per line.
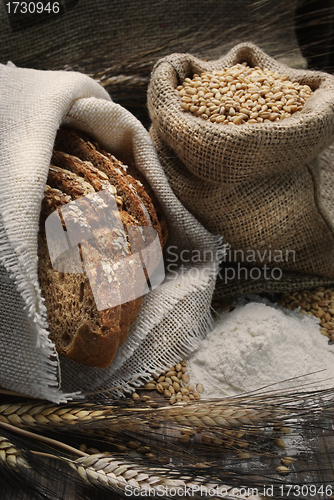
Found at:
<point>258,185</point>
<point>173,317</point>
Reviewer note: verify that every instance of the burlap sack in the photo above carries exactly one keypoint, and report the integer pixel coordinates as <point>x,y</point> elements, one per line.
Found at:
<point>173,317</point>
<point>258,185</point>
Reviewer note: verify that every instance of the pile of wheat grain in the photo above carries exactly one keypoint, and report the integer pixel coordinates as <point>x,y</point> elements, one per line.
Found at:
<point>240,94</point>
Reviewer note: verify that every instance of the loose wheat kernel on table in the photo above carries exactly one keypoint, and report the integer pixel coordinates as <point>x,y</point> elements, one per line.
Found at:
<point>241,94</point>
<point>184,438</point>
<point>282,470</point>
<point>280,443</point>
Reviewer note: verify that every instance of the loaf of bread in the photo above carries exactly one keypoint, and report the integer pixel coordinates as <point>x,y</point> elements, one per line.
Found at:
<point>79,329</point>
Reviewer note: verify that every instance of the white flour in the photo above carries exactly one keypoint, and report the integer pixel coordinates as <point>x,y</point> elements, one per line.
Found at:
<point>256,345</point>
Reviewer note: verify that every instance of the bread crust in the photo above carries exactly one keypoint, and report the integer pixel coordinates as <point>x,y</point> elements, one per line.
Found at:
<point>135,198</point>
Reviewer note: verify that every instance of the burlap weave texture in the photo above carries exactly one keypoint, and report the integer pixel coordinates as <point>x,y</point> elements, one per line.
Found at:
<point>258,184</point>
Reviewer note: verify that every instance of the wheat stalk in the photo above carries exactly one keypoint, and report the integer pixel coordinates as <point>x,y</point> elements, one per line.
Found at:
<point>226,413</point>
<point>205,414</point>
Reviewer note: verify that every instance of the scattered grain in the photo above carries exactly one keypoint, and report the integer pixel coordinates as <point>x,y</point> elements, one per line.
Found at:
<point>187,430</point>
<point>282,470</point>
<point>176,386</point>
<point>173,384</point>
<point>199,388</point>
<point>145,397</point>
<point>280,443</point>
<point>92,451</point>
<point>155,425</point>
<point>159,388</point>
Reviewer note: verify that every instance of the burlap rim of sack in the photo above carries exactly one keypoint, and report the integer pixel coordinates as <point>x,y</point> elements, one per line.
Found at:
<point>300,139</point>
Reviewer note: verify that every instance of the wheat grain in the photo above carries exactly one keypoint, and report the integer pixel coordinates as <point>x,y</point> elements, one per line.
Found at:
<point>282,470</point>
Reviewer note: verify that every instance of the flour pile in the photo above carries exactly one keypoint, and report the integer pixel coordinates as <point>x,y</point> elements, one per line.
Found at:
<point>257,345</point>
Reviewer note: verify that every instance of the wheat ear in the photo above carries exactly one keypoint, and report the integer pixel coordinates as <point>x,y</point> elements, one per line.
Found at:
<point>27,415</point>
<point>204,414</point>
<point>11,456</point>
<point>103,470</point>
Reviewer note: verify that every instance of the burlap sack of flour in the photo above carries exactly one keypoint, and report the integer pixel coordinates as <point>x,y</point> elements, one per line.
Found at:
<point>173,317</point>
<point>258,185</point>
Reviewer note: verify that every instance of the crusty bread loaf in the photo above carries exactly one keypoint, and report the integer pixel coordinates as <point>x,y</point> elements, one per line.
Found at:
<point>79,330</point>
